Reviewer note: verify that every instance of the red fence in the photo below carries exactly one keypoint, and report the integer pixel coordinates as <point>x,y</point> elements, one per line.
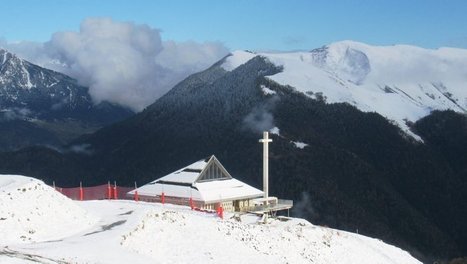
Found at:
<point>99,192</point>
<point>108,191</point>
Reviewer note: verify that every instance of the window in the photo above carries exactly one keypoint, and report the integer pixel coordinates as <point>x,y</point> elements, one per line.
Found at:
<point>213,172</point>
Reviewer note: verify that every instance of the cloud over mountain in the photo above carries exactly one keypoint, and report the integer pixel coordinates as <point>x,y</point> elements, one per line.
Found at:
<point>121,62</point>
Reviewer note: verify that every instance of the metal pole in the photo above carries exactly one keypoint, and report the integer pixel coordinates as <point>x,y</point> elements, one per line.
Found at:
<point>136,193</point>
<point>115,190</point>
<point>265,165</point>
<point>81,192</point>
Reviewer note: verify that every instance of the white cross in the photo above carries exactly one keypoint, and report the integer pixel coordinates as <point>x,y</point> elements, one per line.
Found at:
<point>265,140</point>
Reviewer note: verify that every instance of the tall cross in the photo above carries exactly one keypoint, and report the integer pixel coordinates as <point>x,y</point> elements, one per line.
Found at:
<point>266,140</point>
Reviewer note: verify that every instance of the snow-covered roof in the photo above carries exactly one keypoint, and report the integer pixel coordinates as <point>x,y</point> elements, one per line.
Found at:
<point>188,174</point>
<point>205,180</point>
<point>222,190</point>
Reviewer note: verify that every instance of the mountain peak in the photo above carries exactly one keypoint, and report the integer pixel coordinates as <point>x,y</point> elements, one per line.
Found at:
<point>32,95</point>
<point>14,71</point>
<point>237,58</point>
<point>5,56</point>
<point>9,58</point>
<point>402,83</point>
<point>347,58</point>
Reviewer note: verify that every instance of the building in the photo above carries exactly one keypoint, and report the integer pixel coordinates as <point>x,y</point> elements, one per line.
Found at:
<point>205,184</point>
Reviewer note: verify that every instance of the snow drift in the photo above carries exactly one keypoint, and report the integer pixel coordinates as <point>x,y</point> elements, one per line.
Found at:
<point>38,224</point>
<point>178,237</point>
<point>31,211</point>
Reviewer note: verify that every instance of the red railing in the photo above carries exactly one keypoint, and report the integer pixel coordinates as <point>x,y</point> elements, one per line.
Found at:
<point>112,191</point>
<point>99,192</point>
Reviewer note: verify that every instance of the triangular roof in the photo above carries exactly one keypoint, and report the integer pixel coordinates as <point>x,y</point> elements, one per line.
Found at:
<point>203,170</point>
<point>205,180</point>
<point>213,171</point>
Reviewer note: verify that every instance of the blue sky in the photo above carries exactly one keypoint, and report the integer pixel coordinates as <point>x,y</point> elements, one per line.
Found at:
<point>253,24</point>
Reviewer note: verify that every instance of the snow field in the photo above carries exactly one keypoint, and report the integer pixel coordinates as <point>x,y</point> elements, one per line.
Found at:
<point>31,211</point>
<point>117,231</point>
<point>184,237</point>
<point>174,237</point>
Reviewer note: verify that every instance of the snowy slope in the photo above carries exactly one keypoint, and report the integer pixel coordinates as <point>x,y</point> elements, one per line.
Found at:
<point>31,211</point>
<point>186,238</point>
<point>131,232</point>
<point>402,83</point>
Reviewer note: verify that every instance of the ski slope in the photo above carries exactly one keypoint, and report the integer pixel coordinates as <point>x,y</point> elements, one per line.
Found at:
<point>136,232</point>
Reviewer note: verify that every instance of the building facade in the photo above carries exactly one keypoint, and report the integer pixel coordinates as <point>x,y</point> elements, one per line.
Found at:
<point>205,184</point>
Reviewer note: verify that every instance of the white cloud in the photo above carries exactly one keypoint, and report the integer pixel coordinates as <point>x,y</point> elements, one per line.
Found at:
<point>14,113</point>
<point>121,62</point>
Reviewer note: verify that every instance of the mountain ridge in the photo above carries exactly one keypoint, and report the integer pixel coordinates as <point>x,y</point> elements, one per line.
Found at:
<point>48,103</point>
<point>402,83</point>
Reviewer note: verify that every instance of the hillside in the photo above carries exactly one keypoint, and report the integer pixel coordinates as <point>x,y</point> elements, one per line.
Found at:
<point>345,167</point>
<point>127,231</point>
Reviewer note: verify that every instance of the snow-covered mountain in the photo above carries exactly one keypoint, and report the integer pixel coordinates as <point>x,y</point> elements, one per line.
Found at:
<point>37,99</point>
<point>402,83</point>
<point>23,84</point>
<point>38,224</point>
